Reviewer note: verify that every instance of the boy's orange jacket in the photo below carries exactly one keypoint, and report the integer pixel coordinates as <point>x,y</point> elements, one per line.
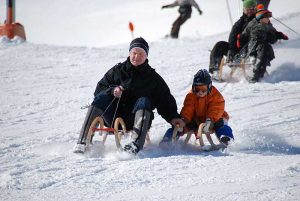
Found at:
<point>198,109</point>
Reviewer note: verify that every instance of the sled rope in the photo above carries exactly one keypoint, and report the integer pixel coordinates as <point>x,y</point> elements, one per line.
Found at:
<point>85,106</point>
<point>286,26</point>
<point>115,111</point>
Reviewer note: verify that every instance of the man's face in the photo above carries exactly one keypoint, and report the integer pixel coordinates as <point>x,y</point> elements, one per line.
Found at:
<point>249,11</point>
<point>137,56</point>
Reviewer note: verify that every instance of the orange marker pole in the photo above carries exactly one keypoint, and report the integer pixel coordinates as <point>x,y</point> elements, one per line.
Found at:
<point>11,28</point>
<point>10,14</point>
<point>131,28</point>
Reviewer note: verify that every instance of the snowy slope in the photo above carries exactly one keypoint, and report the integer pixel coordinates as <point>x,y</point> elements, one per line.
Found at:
<point>42,88</point>
<point>99,23</point>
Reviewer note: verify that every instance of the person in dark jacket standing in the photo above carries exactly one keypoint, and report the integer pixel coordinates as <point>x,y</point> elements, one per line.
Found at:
<point>259,35</point>
<point>185,11</point>
<point>231,48</point>
<point>133,89</point>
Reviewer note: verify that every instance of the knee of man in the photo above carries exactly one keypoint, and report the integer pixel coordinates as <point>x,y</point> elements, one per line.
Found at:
<point>143,103</point>
<point>102,100</point>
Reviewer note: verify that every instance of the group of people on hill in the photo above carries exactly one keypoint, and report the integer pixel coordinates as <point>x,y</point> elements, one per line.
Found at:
<point>250,37</point>
<point>133,89</point>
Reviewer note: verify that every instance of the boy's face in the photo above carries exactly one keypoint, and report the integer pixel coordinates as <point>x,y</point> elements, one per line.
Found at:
<point>200,91</point>
<point>265,20</point>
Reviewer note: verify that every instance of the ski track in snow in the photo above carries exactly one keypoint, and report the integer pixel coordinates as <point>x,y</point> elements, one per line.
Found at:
<point>44,86</point>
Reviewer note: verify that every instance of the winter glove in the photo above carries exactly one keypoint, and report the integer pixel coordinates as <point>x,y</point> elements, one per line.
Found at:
<point>208,126</point>
<point>282,36</point>
<point>230,56</point>
<point>164,7</point>
<point>200,12</point>
<point>118,91</point>
<point>178,122</point>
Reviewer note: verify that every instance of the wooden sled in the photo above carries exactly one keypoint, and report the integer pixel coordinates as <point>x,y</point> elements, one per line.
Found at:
<point>97,126</point>
<point>199,137</point>
<point>243,66</point>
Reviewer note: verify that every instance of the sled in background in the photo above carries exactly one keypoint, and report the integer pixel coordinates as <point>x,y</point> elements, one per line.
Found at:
<point>244,66</point>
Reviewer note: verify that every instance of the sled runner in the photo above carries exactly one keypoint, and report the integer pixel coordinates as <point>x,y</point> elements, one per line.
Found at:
<point>242,61</point>
<point>243,65</point>
<point>199,137</point>
<point>118,130</point>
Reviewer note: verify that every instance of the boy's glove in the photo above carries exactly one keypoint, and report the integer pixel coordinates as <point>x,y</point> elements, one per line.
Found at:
<point>178,122</point>
<point>164,7</point>
<point>118,91</point>
<point>282,36</point>
<point>200,12</point>
<point>208,126</point>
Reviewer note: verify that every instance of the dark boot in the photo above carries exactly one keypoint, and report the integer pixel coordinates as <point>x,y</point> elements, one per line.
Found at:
<point>92,113</point>
<point>258,71</point>
<point>140,129</point>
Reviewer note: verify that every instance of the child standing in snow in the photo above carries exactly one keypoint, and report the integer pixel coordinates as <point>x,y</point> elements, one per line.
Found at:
<point>204,104</point>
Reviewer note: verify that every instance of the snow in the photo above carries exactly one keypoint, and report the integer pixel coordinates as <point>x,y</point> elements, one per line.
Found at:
<point>45,81</point>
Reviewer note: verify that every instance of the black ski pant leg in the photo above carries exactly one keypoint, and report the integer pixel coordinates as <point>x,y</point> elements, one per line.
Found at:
<point>219,50</point>
<point>91,114</point>
<point>100,103</point>
<point>176,25</point>
<point>265,54</point>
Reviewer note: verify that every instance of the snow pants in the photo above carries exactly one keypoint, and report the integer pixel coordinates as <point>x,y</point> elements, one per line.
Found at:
<point>127,111</point>
<point>185,14</point>
<point>219,50</point>
<point>264,54</point>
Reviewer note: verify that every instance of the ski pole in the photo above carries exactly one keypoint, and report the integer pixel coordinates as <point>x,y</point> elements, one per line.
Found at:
<point>286,26</point>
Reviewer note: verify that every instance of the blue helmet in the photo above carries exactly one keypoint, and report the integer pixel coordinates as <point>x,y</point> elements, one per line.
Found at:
<point>202,77</point>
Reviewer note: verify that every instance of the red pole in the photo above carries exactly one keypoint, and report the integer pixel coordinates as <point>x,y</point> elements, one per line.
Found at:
<point>11,28</point>
<point>10,11</point>
<point>131,28</point>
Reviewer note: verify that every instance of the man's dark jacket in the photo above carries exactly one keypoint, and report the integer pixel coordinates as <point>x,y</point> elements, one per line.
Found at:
<point>140,81</point>
<point>238,28</point>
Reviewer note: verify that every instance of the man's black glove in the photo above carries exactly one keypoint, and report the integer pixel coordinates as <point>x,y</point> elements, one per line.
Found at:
<point>164,7</point>
<point>282,36</point>
<point>200,12</point>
